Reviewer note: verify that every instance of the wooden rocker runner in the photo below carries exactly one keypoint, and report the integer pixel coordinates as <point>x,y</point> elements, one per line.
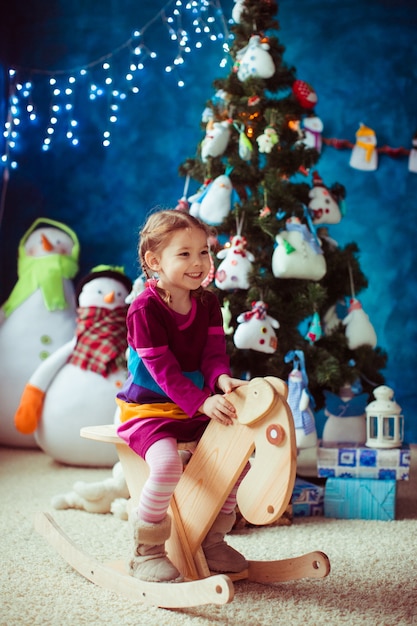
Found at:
<point>263,433</point>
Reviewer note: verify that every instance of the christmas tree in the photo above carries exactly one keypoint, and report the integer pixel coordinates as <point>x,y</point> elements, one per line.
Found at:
<point>274,260</point>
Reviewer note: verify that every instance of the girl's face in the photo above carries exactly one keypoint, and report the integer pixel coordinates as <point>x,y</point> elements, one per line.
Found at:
<point>184,262</point>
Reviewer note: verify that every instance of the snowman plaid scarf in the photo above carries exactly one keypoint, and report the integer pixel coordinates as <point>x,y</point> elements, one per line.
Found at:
<point>101,340</point>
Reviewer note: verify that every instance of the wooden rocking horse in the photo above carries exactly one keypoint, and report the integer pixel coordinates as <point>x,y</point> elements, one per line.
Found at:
<point>264,433</point>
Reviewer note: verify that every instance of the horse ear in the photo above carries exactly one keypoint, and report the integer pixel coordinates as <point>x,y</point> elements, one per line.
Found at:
<point>279,385</point>
<point>253,401</point>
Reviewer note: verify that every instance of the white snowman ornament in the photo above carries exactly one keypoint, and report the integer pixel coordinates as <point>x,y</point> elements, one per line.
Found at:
<point>38,317</point>
<point>77,386</point>
<point>215,202</point>
<point>254,60</point>
<point>298,253</point>
<point>216,139</point>
<point>323,205</point>
<point>256,330</point>
<point>233,272</point>
<point>312,127</point>
<point>364,154</point>
<point>359,330</point>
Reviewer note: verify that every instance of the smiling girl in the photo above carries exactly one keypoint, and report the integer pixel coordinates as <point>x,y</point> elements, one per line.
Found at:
<point>179,378</point>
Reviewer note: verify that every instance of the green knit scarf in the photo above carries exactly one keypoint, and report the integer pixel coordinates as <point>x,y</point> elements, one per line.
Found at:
<point>44,273</point>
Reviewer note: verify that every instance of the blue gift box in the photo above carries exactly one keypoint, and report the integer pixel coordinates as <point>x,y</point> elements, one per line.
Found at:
<point>360,498</point>
<point>307,499</point>
<point>355,461</point>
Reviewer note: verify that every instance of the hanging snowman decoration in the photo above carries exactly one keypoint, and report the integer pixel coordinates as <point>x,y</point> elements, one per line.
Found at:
<point>312,127</point>
<point>298,253</point>
<point>254,60</point>
<point>267,140</point>
<point>215,202</point>
<point>236,265</point>
<point>364,153</point>
<point>38,317</point>
<point>359,330</point>
<point>216,140</point>
<point>325,205</point>
<point>256,330</point>
<point>77,385</point>
<point>346,416</point>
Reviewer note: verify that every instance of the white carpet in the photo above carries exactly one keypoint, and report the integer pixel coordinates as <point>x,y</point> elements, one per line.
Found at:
<point>373,579</point>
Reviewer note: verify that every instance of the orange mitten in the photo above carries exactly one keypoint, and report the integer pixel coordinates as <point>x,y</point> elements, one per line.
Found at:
<point>29,410</point>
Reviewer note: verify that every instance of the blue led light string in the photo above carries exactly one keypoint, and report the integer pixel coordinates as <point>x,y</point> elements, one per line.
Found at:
<point>188,25</point>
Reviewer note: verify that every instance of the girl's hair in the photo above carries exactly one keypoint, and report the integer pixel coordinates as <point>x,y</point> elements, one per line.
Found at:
<point>158,229</point>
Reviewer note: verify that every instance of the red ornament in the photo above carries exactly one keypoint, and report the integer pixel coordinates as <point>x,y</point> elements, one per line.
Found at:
<point>305,94</point>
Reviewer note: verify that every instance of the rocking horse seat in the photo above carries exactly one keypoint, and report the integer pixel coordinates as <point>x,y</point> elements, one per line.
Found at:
<point>264,433</point>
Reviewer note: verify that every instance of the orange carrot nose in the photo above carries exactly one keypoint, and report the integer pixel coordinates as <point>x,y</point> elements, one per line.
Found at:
<point>109,297</point>
<point>46,244</point>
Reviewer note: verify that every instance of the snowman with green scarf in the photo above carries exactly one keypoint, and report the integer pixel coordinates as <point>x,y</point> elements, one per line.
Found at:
<point>38,317</point>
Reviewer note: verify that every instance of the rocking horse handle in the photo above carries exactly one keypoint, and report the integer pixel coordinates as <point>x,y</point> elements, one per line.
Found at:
<point>267,488</point>
<point>223,452</point>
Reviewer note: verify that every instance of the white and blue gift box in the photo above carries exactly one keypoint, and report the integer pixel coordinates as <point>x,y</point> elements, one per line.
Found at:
<point>357,461</point>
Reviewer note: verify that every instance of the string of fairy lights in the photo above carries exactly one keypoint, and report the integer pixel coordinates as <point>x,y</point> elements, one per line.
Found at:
<point>109,80</point>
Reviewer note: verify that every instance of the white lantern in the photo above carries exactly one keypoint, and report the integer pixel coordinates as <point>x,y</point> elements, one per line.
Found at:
<point>384,421</point>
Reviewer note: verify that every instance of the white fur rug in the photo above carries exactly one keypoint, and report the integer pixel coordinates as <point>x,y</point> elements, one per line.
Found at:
<point>373,579</point>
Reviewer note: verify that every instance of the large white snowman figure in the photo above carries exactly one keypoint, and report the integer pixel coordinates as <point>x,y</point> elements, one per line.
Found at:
<point>77,386</point>
<point>346,417</point>
<point>38,317</point>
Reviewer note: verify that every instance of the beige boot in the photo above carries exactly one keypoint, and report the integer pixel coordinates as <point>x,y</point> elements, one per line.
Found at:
<point>220,556</point>
<point>150,561</point>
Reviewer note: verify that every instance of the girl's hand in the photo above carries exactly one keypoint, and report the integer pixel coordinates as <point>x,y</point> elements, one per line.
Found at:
<point>218,408</point>
<point>227,384</point>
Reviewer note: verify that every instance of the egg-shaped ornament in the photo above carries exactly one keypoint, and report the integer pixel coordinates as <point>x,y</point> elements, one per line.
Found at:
<point>254,60</point>
<point>38,317</point>
<point>304,94</point>
<point>256,330</point>
<point>233,272</point>
<point>77,385</point>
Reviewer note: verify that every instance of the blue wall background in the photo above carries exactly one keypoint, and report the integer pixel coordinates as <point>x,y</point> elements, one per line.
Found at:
<point>361,59</point>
